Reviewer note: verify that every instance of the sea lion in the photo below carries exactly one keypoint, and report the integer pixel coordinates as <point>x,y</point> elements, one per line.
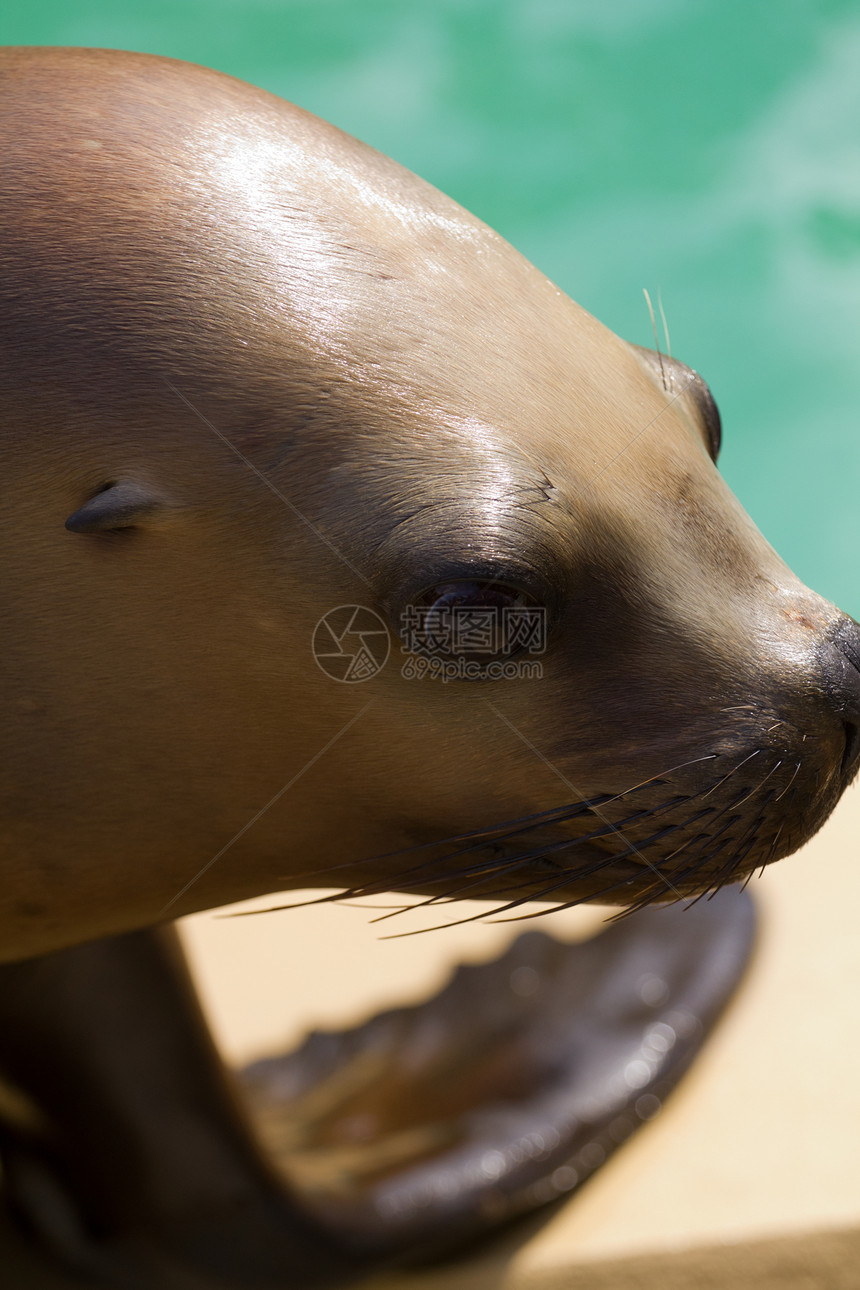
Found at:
<point>251,371</point>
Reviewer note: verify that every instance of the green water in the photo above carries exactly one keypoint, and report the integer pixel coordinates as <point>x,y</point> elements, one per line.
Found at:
<point>708,148</point>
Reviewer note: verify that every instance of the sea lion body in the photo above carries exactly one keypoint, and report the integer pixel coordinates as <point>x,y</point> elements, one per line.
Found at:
<point>251,371</point>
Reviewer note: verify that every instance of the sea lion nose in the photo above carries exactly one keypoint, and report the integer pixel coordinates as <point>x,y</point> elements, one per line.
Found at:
<point>842,665</point>
<point>842,672</point>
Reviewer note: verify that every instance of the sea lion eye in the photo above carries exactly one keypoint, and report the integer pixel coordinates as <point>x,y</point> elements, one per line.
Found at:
<point>477,594</point>
<point>473,620</point>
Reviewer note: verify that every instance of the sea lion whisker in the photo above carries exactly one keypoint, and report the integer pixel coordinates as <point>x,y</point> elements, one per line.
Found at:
<point>730,806</point>
<point>605,830</point>
<point>568,811</point>
<point>394,912</point>
<point>723,875</point>
<point>343,896</point>
<point>664,322</point>
<point>773,844</point>
<point>523,900</point>
<point>746,882</point>
<point>704,839</point>
<point>657,349</point>
<point>509,828</point>
<point>735,861</point>
<point>555,909</point>
<point>330,899</point>
<point>760,785</point>
<point>520,734</point>
<point>608,827</point>
<point>451,894</point>
<point>686,873</point>
<point>656,837</point>
<point>526,857</point>
<point>662,776</point>
<point>650,894</point>
<point>668,831</point>
<point>701,838</point>
<point>403,882</point>
<point>632,848</point>
<point>438,927</point>
<point>480,872</point>
<point>354,904</point>
<point>524,824</point>
<point>580,873</point>
<point>733,771</point>
<point>759,819</point>
<point>501,837</point>
<point>591,899</point>
<point>483,871</point>
<point>791,781</point>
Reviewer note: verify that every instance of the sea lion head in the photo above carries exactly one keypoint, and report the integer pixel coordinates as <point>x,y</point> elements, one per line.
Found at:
<point>253,372</point>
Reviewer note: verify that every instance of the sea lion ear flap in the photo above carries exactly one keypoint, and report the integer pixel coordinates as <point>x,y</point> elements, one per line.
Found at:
<point>123,505</point>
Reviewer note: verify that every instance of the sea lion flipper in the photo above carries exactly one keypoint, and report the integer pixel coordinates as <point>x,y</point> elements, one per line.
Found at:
<point>120,505</point>
<point>430,1125</point>
<point>133,1167</point>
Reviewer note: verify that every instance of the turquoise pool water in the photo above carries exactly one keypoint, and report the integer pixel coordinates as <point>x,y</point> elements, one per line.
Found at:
<point>708,148</point>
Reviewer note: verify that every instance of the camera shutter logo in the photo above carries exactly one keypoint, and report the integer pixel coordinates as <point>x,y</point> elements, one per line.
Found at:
<point>351,643</point>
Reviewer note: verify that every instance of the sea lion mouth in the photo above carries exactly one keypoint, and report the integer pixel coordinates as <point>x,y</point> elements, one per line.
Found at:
<point>678,844</point>
<point>661,841</point>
